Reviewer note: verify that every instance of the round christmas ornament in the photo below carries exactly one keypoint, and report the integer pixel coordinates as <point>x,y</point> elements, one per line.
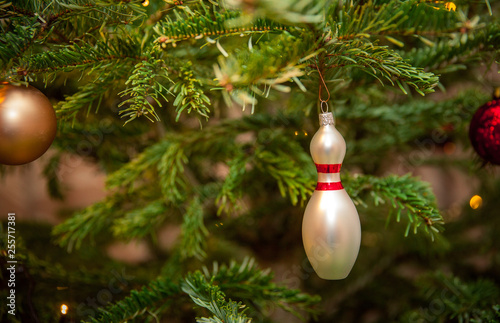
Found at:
<point>331,230</point>
<point>484,131</point>
<point>28,124</point>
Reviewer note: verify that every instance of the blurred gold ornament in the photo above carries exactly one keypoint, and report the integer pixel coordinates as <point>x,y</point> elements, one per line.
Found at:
<point>28,124</point>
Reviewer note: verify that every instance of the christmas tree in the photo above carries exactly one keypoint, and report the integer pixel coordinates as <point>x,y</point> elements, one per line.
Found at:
<point>200,113</point>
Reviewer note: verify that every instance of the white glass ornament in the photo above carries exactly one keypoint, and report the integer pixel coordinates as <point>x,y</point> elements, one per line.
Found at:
<point>331,230</point>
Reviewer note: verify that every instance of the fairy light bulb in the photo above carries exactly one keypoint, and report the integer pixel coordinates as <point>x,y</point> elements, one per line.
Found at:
<point>331,230</point>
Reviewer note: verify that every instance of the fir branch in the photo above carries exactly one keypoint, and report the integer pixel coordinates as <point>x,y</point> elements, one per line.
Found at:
<point>450,55</point>
<point>17,38</point>
<point>360,20</point>
<point>254,286</point>
<point>171,170</point>
<point>32,22</point>
<point>474,301</point>
<point>379,61</point>
<point>409,196</point>
<point>209,289</point>
<point>432,120</point>
<point>51,271</point>
<point>285,169</point>
<point>210,296</point>
<point>145,88</point>
<point>148,298</point>
<point>289,12</point>
<point>102,56</point>
<point>170,154</point>
<point>232,188</point>
<point>55,11</point>
<point>88,223</point>
<point>194,232</point>
<point>121,9</point>
<point>189,93</point>
<point>141,221</point>
<point>89,95</point>
<point>264,67</point>
<point>201,25</point>
<point>126,176</point>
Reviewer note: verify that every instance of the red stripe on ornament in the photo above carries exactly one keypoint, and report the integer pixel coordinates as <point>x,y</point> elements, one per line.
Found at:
<point>328,168</point>
<point>329,186</point>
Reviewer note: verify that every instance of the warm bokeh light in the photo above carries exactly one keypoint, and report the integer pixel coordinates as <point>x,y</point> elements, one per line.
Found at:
<point>64,309</point>
<point>450,6</point>
<point>145,3</point>
<point>449,148</point>
<point>476,201</point>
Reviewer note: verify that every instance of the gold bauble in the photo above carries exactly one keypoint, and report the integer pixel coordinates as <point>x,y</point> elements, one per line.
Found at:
<point>28,124</point>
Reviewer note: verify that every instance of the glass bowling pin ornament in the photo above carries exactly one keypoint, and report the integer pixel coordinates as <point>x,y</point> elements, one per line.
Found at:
<point>331,230</point>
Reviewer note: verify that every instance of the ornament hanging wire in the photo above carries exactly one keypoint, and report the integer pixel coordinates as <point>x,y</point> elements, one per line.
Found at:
<point>324,103</point>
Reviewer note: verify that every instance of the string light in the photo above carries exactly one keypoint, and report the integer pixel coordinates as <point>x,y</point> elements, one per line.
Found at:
<point>64,309</point>
<point>475,202</point>
<point>450,6</point>
<point>145,3</point>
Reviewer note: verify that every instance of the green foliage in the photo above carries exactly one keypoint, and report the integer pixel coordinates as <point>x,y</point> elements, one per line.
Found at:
<point>407,196</point>
<point>89,95</point>
<point>450,55</point>
<point>246,282</point>
<point>99,57</point>
<point>209,290</point>
<point>194,232</point>
<point>139,222</point>
<point>438,122</point>
<point>145,88</point>
<point>189,93</point>
<point>29,24</point>
<point>18,36</point>
<point>265,67</point>
<point>210,297</point>
<point>138,302</point>
<point>283,167</point>
<point>182,65</point>
<point>88,223</point>
<point>378,61</point>
<point>207,24</point>
<point>450,297</point>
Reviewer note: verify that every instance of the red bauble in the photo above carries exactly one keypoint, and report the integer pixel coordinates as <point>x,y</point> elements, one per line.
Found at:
<point>484,132</point>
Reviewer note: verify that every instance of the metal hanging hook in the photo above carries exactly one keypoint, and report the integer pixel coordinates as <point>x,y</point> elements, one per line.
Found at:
<point>324,103</point>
